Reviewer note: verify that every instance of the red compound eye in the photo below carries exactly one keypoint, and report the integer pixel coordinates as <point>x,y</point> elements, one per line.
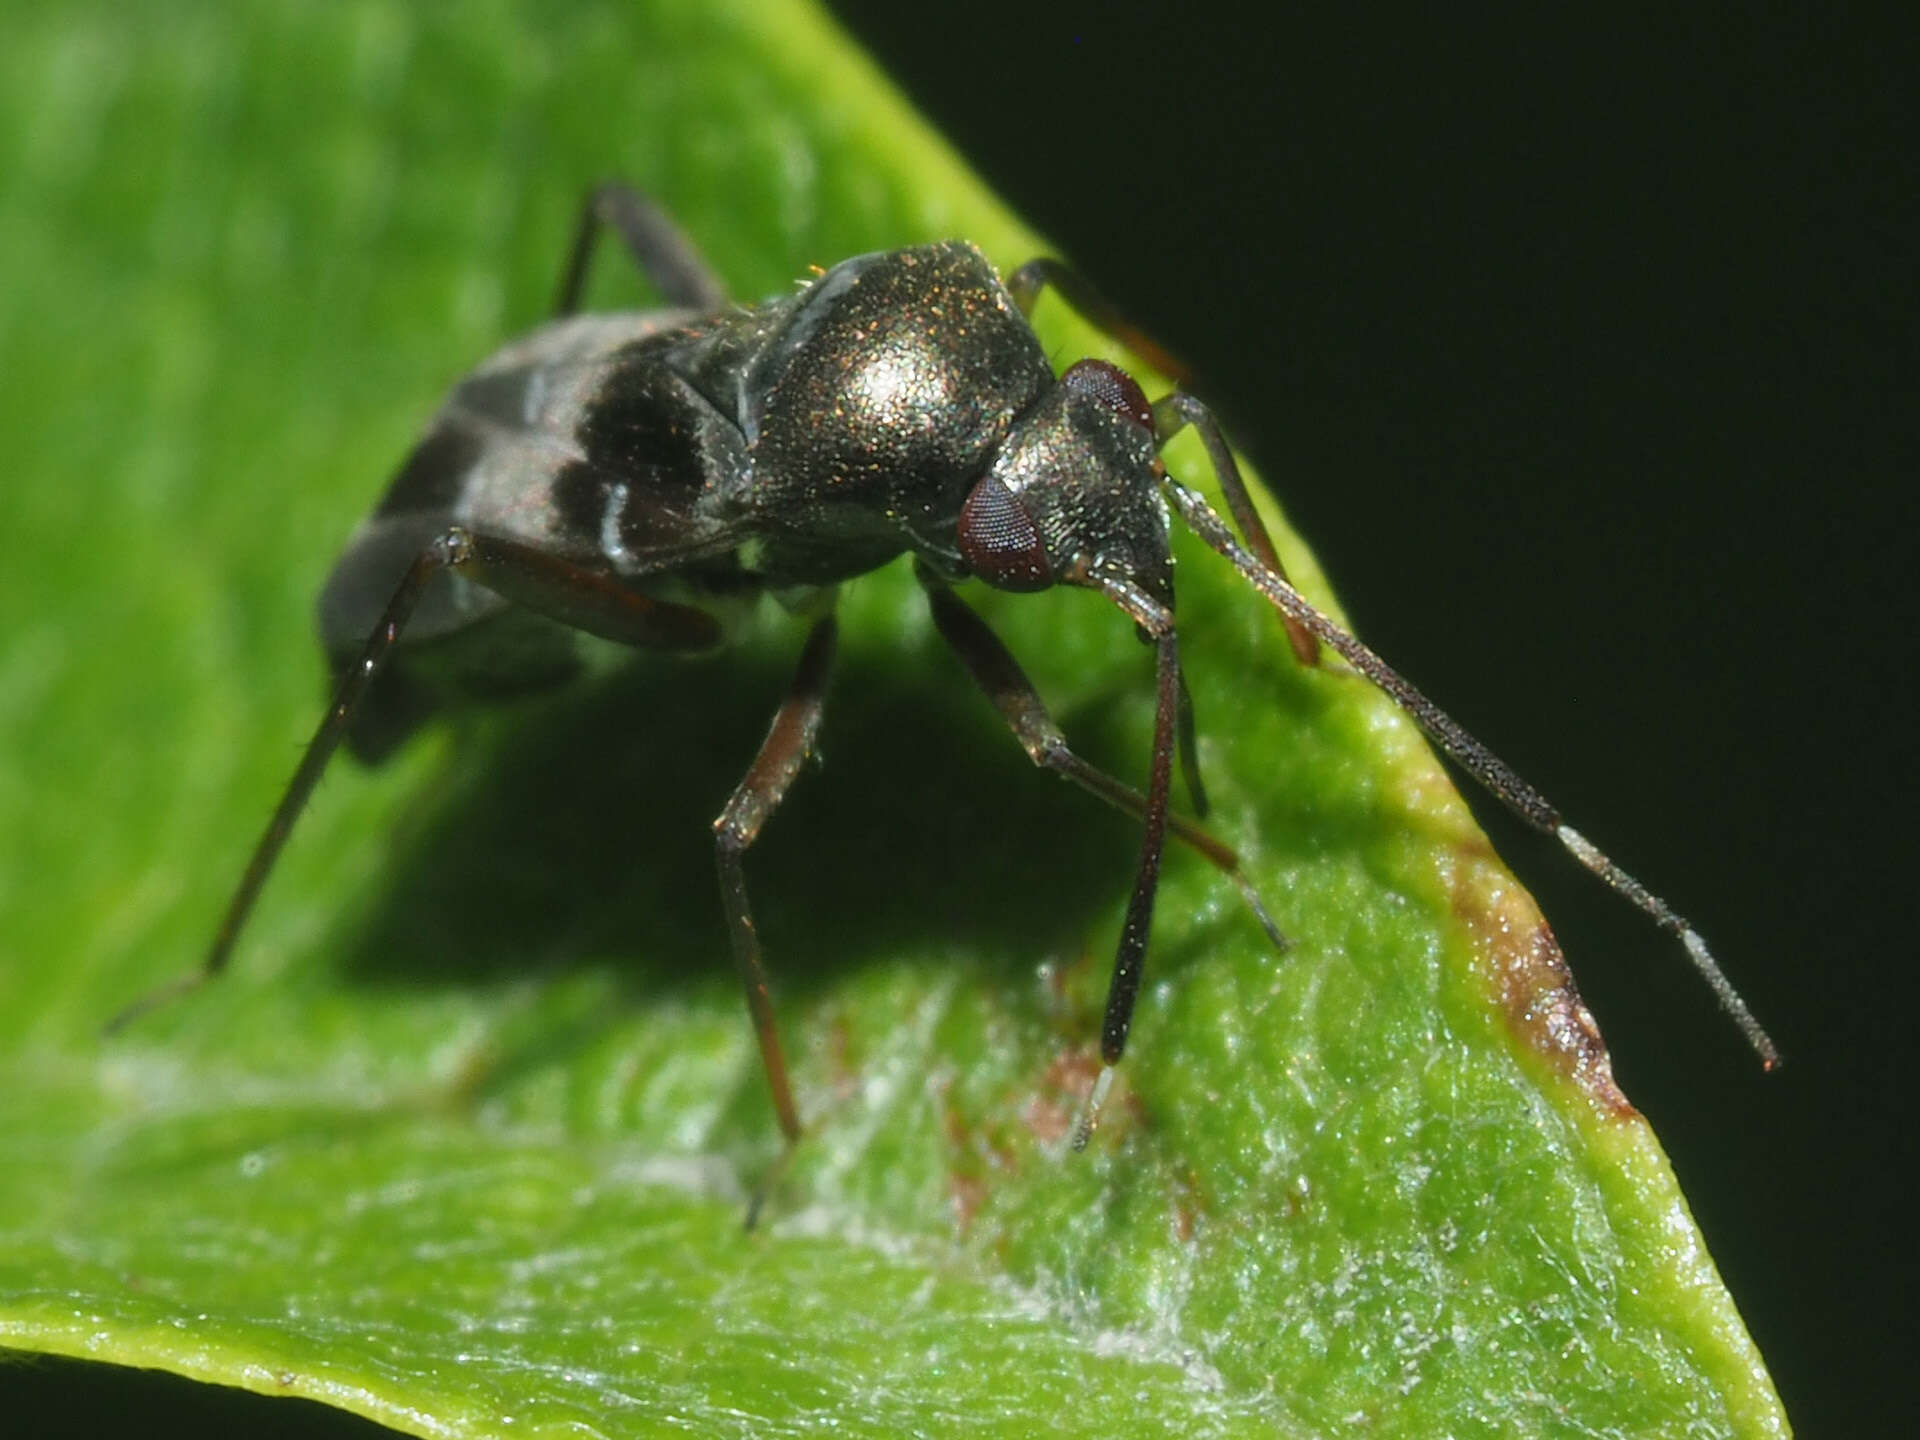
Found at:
<point>999,541</point>
<point>1112,387</point>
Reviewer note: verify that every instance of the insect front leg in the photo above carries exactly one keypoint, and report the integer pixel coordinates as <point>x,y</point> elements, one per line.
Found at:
<point>997,673</point>
<point>661,249</point>
<point>789,741</point>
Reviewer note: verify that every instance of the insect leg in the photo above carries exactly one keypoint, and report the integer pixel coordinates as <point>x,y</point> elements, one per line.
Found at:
<point>1171,414</point>
<point>587,599</point>
<point>1129,961</point>
<point>999,674</point>
<point>445,550</point>
<point>789,741</point>
<point>658,246</point>
<point>1489,769</point>
<point>1190,750</point>
<point>996,672</point>
<point>1026,283</point>
<point>584,597</point>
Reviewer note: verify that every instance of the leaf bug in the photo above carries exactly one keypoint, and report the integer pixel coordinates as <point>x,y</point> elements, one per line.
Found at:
<point>643,476</point>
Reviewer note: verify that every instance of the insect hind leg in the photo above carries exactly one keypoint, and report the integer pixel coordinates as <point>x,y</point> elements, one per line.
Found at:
<point>551,585</point>
<point>657,245</point>
<point>790,740</point>
<point>449,549</point>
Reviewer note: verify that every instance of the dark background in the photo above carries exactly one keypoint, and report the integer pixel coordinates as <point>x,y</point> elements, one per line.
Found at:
<point>1582,349</point>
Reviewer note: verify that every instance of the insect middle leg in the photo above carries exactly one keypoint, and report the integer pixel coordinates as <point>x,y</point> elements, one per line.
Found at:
<point>789,741</point>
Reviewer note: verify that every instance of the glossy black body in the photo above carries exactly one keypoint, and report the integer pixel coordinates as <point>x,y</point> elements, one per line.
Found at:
<point>780,447</point>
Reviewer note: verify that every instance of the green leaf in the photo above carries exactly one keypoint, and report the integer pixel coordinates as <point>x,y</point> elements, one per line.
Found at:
<point>463,1143</point>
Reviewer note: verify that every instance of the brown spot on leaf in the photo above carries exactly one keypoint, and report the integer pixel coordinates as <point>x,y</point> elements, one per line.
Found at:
<point>966,1176</point>
<point>1056,1102</point>
<point>1187,1206</point>
<point>976,1152</point>
<point>1532,979</point>
<point>967,1194</point>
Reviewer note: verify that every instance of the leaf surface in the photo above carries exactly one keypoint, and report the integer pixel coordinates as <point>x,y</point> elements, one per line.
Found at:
<point>463,1143</point>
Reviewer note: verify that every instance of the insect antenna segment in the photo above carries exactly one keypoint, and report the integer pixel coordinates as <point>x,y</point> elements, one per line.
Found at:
<point>1475,758</point>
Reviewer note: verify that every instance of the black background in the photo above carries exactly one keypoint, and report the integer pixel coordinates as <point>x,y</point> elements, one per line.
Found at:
<point>1582,348</point>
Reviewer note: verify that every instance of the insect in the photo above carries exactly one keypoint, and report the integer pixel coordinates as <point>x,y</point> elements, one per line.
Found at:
<point>646,477</point>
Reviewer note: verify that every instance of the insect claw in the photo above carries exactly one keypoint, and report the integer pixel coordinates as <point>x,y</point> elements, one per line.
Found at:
<point>153,1000</point>
<point>1090,1117</point>
<point>757,1202</point>
<point>1252,896</point>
